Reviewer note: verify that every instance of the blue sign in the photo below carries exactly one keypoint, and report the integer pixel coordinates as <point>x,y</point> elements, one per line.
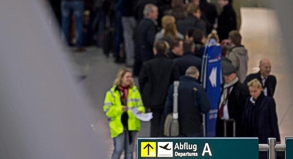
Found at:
<point>212,83</point>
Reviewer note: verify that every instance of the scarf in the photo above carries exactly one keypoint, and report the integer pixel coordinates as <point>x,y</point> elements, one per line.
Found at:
<point>123,94</point>
<point>227,85</point>
<point>224,97</point>
<point>231,83</point>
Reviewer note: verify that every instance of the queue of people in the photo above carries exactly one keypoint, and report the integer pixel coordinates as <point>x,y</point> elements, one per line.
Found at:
<point>163,56</point>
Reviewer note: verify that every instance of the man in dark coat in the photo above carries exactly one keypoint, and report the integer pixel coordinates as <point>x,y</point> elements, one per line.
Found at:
<point>210,12</point>
<point>268,81</point>
<point>145,37</point>
<point>155,78</point>
<point>226,20</point>
<point>192,20</point>
<point>139,7</point>
<point>232,102</point>
<point>192,101</point>
<point>176,48</point>
<point>188,59</point>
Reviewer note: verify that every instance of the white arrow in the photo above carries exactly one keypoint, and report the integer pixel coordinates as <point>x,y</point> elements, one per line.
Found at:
<point>213,77</point>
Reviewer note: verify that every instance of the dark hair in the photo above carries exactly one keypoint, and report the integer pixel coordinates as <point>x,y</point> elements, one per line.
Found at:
<point>189,32</point>
<point>178,4</point>
<point>175,42</point>
<point>192,8</point>
<point>161,46</point>
<point>188,46</point>
<point>197,35</point>
<point>235,37</point>
<point>224,51</point>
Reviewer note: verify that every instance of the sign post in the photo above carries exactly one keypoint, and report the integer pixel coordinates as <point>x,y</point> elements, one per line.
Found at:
<point>201,148</point>
<point>211,80</point>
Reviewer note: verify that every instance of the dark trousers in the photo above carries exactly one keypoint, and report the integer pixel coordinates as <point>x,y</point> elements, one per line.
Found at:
<point>157,122</point>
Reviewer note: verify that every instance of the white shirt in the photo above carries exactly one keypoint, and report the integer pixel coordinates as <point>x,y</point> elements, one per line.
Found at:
<point>265,90</point>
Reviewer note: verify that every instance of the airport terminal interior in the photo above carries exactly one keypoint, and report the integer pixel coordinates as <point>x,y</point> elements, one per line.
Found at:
<point>261,36</point>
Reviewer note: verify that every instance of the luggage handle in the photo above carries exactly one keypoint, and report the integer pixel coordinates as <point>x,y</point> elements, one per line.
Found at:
<point>234,127</point>
<point>175,100</point>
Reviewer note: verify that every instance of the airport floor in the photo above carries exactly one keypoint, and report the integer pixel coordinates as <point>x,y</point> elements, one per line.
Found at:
<point>262,38</point>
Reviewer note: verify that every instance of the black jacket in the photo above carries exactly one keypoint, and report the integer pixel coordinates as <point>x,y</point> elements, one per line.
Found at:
<point>192,101</point>
<point>210,12</point>
<point>172,56</point>
<point>226,22</point>
<point>270,83</point>
<point>145,37</point>
<point>190,22</point>
<point>156,76</point>
<point>198,49</point>
<point>127,8</point>
<point>260,119</point>
<point>236,104</point>
<point>187,60</point>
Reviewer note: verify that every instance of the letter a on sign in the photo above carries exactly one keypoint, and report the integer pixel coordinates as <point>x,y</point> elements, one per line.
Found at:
<point>206,149</point>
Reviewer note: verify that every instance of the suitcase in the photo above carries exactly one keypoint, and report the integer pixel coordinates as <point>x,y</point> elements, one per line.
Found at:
<point>109,40</point>
<point>171,126</point>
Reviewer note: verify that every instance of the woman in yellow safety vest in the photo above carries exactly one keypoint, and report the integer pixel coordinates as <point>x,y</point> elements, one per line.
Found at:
<point>120,101</point>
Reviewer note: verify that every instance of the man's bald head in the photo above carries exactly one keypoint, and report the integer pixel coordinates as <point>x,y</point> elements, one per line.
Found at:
<point>264,61</point>
<point>265,67</point>
<point>192,72</point>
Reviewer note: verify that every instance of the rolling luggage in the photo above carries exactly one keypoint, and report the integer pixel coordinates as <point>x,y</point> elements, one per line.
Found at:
<point>234,127</point>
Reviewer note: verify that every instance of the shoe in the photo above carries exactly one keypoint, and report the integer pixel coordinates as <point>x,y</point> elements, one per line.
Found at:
<point>81,49</point>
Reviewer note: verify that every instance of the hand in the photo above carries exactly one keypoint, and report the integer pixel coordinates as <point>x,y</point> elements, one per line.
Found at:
<point>124,108</point>
<point>139,112</point>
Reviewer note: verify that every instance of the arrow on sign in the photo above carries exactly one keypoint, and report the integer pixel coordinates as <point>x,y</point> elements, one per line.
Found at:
<point>213,77</point>
<point>148,146</point>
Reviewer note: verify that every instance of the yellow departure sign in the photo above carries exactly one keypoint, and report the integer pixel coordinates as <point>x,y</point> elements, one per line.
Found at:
<point>148,149</point>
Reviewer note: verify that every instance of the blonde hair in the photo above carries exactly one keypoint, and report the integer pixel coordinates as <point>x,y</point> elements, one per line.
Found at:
<point>120,75</point>
<point>213,35</point>
<point>167,19</point>
<point>170,30</point>
<point>254,83</point>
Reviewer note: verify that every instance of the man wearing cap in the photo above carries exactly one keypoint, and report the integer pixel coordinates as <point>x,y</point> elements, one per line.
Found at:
<point>232,102</point>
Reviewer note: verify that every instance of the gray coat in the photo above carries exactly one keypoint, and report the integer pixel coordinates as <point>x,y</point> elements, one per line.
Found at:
<point>239,58</point>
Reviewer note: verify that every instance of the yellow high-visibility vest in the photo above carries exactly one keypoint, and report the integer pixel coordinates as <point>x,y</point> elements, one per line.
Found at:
<point>113,109</point>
